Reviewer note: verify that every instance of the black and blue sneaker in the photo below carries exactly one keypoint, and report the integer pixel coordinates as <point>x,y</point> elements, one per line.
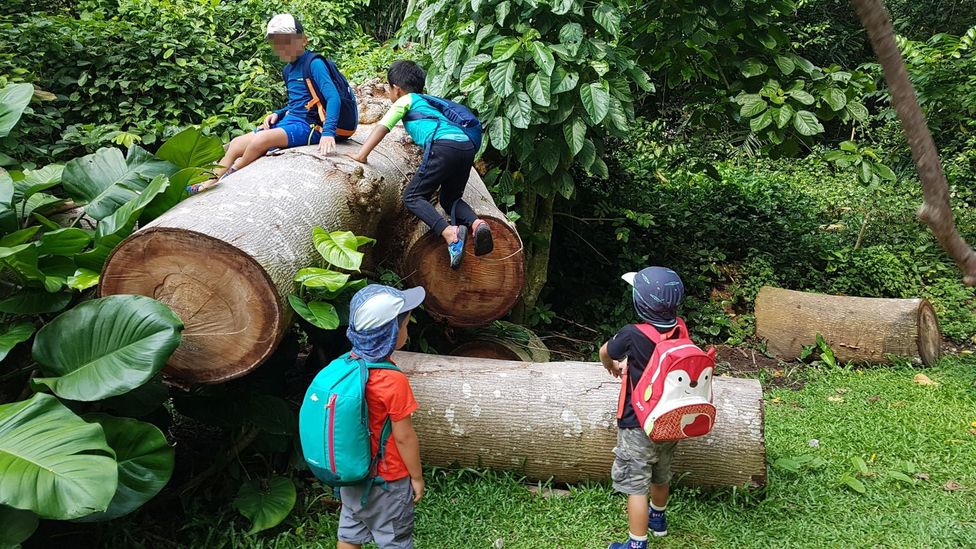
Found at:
<point>629,544</point>
<point>455,250</point>
<point>483,243</point>
<point>657,523</point>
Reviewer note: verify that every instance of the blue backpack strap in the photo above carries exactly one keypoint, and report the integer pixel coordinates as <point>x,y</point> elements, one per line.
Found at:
<point>385,432</point>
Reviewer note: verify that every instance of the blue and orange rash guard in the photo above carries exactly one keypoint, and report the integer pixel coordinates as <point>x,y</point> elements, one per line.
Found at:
<point>425,130</point>
<point>299,96</point>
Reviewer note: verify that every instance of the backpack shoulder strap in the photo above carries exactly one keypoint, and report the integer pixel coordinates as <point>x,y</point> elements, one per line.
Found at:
<point>313,89</point>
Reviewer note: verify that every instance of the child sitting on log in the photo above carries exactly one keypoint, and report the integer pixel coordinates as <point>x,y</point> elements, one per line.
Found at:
<point>321,106</point>
<point>642,465</point>
<point>448,155</point>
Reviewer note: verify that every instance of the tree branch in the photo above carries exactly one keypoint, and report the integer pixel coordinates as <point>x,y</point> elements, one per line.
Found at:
<point>935,210</point>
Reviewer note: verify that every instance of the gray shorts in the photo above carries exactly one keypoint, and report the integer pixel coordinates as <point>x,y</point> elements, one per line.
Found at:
<point>640,462</point>
<point>387,518</point>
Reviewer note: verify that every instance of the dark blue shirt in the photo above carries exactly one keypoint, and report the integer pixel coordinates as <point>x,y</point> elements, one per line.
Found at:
<point>299,96</point>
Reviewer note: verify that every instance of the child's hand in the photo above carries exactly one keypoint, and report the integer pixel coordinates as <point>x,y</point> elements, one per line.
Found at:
<point>327,145</point>
<point>617,367</point>
<point>418,488</point>
<point>269,121</point>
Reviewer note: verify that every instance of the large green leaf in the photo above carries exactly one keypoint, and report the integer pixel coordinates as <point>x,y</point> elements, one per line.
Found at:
<point>340,248</point>
<point>17,238</point>
<point>563,81</point>
<point>317,313</point>
<point>549,155</point>
<point>34,302</point>
<point>53,463</point>
<point>542,56</point>
<point>500,132</point>
<point>12,334</point>
<point>314,277</point>
<point>835,98</point>
<point>607,17</point>
<point>807,123</point>
<point>145,461</point>
<point>66,242</point>
<point>502,78</point>
<point>105,347</point>
<point>575,134</point>
<point>6,188</point>
<point>265,502</point>
<point>104,181</point>
<point>783,116</point>
<point>753,67</point>
<point>116,227</point>
<point>35,181</point>
<point>519,110</point>
<point>571,34</point>
<point>174,193</point>
<point>191,149</point>
<point>596,100</point>
<point>13,100</point>
<point>82,279</point>
<point>504,49</point>
<point>538,86</point>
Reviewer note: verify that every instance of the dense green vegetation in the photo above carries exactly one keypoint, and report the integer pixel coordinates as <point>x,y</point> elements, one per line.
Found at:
<point>742,143</point>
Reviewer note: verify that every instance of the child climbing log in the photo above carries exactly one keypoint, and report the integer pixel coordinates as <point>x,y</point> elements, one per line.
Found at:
<point>224,260</point>
<point>557,420</point>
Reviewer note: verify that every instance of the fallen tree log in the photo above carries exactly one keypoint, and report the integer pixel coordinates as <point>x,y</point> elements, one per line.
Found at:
<point>860,329</point>
<point>224,260</point>
<point>557,420</point>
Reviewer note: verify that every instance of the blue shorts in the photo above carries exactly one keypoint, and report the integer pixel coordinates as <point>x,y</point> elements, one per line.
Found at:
<point>299,132</point>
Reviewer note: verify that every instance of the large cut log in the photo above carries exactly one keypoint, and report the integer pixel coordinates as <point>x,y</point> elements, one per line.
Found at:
<point>557,420</point>
<point>224,260</point>
<point>861,329</point>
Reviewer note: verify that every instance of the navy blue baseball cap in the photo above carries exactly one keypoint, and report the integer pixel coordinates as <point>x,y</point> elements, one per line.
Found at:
<point>657,293</point>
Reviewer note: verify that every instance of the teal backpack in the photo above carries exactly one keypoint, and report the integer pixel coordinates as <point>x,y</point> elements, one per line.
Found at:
<point>333,424</point>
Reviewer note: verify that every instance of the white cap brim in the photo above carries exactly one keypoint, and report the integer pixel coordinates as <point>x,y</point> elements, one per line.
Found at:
<point>629,278</point>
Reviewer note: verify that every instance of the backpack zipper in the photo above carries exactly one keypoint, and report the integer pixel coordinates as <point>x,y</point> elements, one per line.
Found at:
<point>331,406</point>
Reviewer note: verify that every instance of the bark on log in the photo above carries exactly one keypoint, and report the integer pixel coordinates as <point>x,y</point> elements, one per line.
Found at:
<point>557,420</point>
<point>224,260</point>
<point>935,210</point>
<point>861,329</point>
<point>503,341</point>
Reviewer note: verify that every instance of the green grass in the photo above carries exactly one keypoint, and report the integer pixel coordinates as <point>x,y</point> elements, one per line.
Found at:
<point>879,415</point>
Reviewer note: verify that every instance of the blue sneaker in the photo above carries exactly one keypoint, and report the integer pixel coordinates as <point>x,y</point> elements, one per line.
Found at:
<point>456,250</point>
<point>657,523</point>
<point>629,544</point>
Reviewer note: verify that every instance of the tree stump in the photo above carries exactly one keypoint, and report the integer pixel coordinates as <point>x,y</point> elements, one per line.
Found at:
<point>860,329</point>
<point>503,341</point>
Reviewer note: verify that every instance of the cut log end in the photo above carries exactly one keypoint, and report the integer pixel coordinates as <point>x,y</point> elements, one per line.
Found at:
<point>481,290</point>
<point>225,299</point>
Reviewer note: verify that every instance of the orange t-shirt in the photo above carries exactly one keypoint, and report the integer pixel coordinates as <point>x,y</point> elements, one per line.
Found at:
<point>388,393</point>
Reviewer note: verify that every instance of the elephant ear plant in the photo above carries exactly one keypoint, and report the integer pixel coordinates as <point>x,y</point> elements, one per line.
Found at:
<point>66,450</point>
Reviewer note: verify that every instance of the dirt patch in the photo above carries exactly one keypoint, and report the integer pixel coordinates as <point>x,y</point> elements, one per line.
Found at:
<point>745,362</point>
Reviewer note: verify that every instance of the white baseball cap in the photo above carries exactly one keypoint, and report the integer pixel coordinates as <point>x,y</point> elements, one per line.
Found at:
<point>376,305</point>
<point>284,23</point>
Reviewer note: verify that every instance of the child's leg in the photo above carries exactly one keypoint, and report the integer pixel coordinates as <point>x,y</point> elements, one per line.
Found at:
<point>659,496</point>
<point>416,197</point>
<point>259,145</point>
<point>234,151</point>
<point>344,545</point>
<point>637,514</point>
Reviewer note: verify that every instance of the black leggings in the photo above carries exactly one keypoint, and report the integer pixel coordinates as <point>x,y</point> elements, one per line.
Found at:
<point>447,165</point>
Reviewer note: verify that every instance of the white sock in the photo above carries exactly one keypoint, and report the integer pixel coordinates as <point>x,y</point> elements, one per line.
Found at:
<point>659,509</point>
<point>636,537</point>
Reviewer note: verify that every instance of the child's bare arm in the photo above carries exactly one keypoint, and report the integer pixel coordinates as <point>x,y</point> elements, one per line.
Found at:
<point>612,366</point>
<point>377,135</point>
<point>409,447</point>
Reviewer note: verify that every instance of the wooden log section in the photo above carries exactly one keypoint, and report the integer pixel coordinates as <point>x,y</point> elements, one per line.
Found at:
<point>557,420</point>
<point>224,260</point>
<point>503,341</point>
<point>860,329</point>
